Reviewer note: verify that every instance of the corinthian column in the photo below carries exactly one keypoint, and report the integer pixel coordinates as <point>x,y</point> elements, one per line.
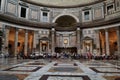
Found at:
<point>26,43</point>
<point>98,41</point>
<point>78,40</point>
<point>34,40</point>
<point>7,30</point>
<point>53,40</point>
<point>118,39</point>
<point>16,41</point>
<point>107,42</point>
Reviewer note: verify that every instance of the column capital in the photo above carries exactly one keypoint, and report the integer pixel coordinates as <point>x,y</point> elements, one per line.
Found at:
<point>97,30</point>
<point>26,31</point>
<point>36,31</point>
<point>7,27</point>
<point>53,29</point>
<point>117,28</point>
<point>106,29</point>
<point>78,28</point>
<point>16,29</point>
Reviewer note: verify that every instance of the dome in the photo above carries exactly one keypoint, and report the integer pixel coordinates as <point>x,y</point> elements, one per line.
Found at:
<point>62,3</point>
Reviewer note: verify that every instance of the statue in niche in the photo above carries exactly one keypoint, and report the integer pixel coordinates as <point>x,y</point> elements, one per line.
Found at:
<point>87,47</point>
<point>44,47</point>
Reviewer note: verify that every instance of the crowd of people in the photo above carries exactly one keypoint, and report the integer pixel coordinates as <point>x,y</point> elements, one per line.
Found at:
<point>65,55</point>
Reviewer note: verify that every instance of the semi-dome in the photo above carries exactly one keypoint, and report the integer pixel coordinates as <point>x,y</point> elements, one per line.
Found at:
<point>62,3</point>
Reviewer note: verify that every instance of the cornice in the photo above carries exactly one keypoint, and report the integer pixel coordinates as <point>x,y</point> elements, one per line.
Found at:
<point>33,24</point>
<point>99,23</point>
<point>55,6</point>
<point>24,22</point>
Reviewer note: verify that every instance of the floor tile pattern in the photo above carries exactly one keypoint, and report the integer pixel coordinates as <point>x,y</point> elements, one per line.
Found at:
<point>63,77</point>
<point>59,69</point>
<point>106,69</point>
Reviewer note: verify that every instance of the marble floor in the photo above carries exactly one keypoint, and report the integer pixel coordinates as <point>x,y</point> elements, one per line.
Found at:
<point>58,69</point>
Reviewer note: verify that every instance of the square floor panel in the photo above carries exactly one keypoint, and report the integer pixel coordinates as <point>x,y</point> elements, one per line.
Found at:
<point>8,77</point>
<point>65,69</point>
<point>21,76</point>
<point>23,68</point>
<point>112,77</point>
<point>36,63</point>
<point>96,64</point>
<point>106,69</point>
<point>12,76</point>
<point>64,77</point>
<point>59,64</point>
